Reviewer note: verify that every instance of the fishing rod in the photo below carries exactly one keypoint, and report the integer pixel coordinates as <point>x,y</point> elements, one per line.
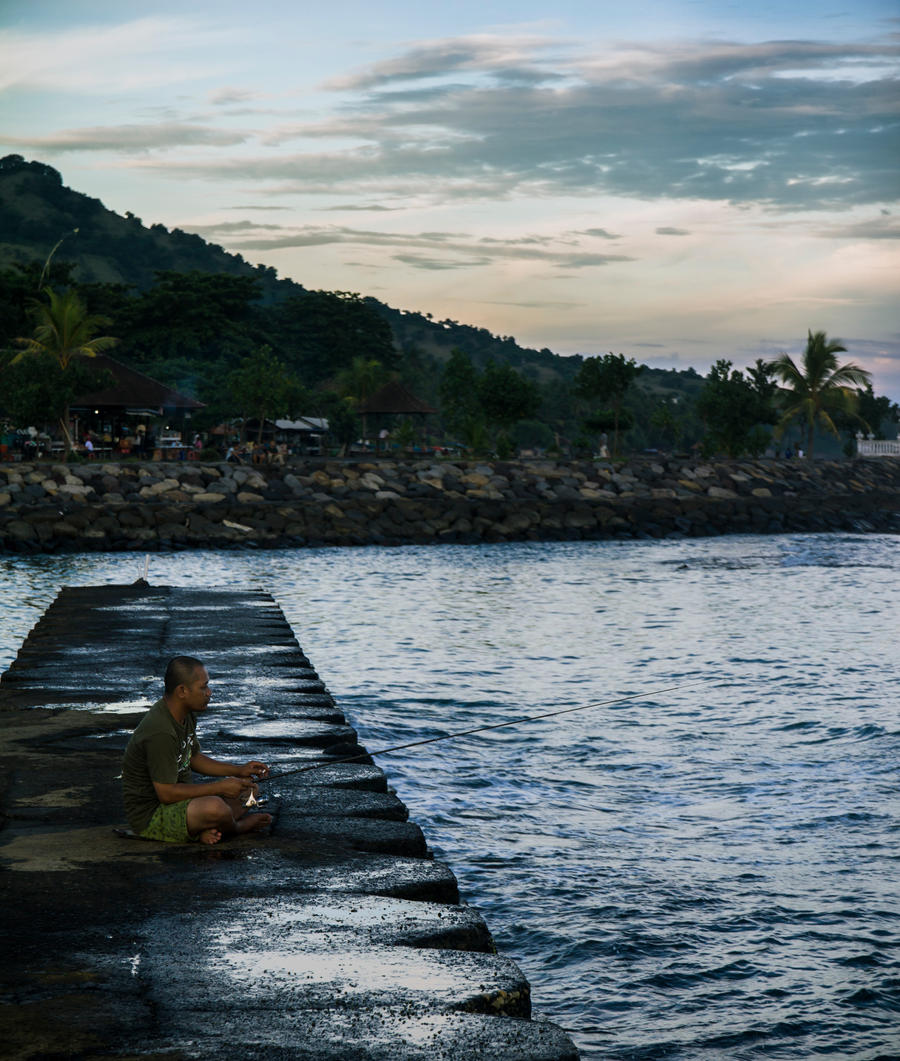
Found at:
<point>478,729</point>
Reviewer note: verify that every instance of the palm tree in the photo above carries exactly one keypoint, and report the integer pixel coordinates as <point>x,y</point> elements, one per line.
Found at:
<point>361,379</point>
<point>65,331</point>
<point>818,386</point>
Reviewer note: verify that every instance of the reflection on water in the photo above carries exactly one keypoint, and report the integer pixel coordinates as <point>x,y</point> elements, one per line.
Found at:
<point>105,707</point>
<point>707,871</point>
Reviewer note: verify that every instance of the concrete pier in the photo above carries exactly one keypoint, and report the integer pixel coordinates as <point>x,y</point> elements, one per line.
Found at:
<point>336,936</point>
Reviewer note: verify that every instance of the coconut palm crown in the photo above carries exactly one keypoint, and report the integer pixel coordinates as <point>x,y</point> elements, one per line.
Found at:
<point>818,386</point>
<point>64,331</point>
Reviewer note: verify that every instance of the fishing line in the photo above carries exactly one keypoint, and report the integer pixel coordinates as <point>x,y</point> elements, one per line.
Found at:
<point>478,729</point>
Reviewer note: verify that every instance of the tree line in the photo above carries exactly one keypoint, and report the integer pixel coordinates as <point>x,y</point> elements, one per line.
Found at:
<point>216,337</point>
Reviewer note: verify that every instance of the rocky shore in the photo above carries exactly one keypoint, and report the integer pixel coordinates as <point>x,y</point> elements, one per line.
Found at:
<point>177,505</point>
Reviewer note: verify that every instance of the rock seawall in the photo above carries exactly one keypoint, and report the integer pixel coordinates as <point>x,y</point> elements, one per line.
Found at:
<point>177,505</point>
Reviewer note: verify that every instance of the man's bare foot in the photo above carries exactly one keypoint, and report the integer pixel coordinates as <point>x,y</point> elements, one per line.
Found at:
<point>251,822</point>
<point>210,836</point>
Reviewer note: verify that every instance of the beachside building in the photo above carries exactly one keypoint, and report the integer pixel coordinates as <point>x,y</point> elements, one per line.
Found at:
<point>380,410</point>
<point>876,447</point>
<point>133,406</point>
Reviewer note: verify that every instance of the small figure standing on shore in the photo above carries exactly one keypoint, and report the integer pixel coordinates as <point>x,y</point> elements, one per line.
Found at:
<point>162,801</point>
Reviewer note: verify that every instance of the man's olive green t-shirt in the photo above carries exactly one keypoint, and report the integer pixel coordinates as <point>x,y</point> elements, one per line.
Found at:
<point>160,750</point>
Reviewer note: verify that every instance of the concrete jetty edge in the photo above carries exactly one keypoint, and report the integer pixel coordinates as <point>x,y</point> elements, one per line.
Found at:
<point>336,937</point>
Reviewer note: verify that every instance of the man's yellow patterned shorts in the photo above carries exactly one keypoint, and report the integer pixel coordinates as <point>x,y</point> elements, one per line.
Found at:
<point>169,823</point>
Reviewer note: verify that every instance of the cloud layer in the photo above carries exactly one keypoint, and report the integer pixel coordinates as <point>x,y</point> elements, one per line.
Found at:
<point>791,125</point>
<point>457,250</point>
<point>794,124</point>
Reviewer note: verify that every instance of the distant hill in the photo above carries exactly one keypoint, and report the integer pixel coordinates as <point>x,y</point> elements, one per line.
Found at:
<point>39,215</point>
<point>37,211</point>
<point>189,327</point>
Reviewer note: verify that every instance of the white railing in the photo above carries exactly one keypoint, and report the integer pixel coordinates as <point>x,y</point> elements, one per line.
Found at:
<point>871,447</point>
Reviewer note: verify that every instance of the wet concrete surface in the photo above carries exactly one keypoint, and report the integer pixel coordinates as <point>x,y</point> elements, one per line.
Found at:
<point>334,936</point>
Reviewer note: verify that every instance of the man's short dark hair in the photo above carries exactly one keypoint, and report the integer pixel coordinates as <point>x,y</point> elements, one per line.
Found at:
<point>180,671</point>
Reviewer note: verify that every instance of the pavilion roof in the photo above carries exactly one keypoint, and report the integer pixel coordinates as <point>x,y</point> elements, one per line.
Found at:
<point>133,390</point>
<point>394,398</point>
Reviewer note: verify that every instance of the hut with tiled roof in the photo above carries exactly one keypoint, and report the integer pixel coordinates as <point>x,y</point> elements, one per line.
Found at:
<point>132,392</point>
<point>131,402</point>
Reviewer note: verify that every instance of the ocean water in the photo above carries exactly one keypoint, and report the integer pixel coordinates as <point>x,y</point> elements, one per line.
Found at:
<point>700,862</point>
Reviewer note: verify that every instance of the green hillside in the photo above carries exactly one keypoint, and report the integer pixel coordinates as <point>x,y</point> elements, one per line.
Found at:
<point>191,314</point>
<point>187,311</point>
<point>37,211</point>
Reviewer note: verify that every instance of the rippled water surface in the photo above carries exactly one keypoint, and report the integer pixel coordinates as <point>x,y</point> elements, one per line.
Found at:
<point>707,870</point>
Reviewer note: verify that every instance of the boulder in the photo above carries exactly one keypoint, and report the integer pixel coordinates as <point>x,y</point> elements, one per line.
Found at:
<point>21,531</point>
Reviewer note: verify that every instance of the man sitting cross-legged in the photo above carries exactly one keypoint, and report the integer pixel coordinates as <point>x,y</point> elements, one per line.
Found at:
<point>161,800</point>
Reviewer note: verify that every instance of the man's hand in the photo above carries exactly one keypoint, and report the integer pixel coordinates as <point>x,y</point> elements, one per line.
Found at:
<point>253,769</point>
<point>232,787</point>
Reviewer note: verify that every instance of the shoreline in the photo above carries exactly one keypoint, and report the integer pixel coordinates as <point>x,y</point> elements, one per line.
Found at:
<point>162,506</point>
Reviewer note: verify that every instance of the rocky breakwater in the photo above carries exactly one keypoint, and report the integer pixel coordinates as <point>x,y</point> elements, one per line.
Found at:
<point>132,506</point>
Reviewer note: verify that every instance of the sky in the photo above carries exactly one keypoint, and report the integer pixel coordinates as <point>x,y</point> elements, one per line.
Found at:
<point>676,180</point>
